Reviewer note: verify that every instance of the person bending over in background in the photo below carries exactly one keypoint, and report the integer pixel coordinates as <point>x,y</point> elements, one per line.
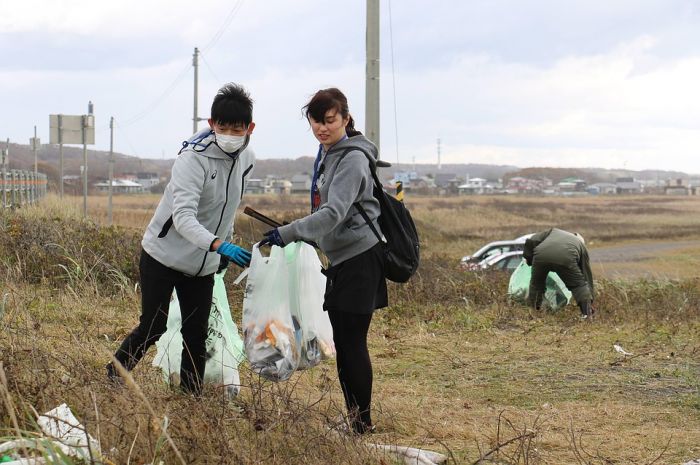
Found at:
<point>565,254</point>
<point>182,240</point>
<point>355,284</point>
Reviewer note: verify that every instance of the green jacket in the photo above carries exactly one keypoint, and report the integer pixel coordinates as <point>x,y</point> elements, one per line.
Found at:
<point>558,247</point>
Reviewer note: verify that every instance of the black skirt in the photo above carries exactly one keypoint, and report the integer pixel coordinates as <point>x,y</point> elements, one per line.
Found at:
<point>357,285</point>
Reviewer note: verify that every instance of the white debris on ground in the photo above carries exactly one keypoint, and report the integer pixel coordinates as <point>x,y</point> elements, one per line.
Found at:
<point>411,455</point>
<point>62,431</point>
<point>61,425</point>
<point>620,350</point>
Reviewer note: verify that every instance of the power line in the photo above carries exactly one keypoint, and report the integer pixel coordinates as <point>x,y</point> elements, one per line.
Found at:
<point>215,38</point>
<point>208,66</point>
<point>224,26</point>
<point>159,100</point>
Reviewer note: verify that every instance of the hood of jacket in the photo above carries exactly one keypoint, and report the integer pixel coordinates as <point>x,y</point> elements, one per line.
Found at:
<point>358,142</point>
<point>204,143</point>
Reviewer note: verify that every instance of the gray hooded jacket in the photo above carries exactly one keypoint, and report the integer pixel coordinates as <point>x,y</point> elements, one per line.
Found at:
<point>198,206</point>
<point>337,226</point>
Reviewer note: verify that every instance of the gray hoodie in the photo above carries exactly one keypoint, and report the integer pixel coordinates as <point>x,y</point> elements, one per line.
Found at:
<point>337,226</point>
<point>198,206</point>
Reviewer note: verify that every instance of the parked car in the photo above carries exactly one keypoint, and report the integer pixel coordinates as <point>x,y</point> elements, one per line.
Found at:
<point>492,249</point>
<point>504,262</point>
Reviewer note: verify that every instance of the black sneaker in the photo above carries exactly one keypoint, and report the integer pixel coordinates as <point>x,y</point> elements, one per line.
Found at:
<point>113,375</point>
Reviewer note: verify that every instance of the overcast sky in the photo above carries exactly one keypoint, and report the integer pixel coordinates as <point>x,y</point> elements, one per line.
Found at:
<point>594,83</point>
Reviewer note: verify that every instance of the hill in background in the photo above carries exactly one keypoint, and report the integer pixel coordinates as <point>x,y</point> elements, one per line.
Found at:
<point>22,157</point>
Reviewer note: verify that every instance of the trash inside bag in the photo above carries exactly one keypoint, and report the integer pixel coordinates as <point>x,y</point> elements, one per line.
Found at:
<point>285,326</point>
<point>307,286</point>
<point>224,345</point>
<point>556,294</point>
<point>269,334</point>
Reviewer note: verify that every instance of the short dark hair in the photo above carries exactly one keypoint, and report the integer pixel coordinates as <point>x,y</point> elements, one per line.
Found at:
<point>330,99</point>
<point>232,106</point>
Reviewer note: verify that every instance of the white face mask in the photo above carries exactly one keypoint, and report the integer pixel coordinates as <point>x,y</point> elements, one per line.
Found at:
<point>229,144</point>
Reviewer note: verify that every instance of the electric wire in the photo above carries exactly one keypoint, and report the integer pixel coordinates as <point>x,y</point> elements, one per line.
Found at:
<point>227,22</point>
<point>393,83</point>
<point>211,70</point>
<point>139,116</point>
<point>215,38</point>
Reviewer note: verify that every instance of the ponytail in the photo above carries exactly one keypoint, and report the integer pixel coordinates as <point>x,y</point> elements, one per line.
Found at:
<point>350,128</point>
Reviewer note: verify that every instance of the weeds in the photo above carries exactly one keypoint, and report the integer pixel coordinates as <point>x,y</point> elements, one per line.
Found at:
<point>458,368</point>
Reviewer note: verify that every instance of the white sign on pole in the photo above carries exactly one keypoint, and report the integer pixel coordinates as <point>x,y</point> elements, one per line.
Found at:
<point>72,129</point>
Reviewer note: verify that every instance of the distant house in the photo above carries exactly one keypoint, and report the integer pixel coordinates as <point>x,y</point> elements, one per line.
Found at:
<point>301,183</point>
<point>678,188</point>
<point>147,180</point>
<point>255,186</point>
<point>628,185</point>
<point>446,180</point>
<point>478,186</point>
<point>280,186</point>
<point>121,186</point>
<point>422,184</point>
<point>521,185</point>
<point>602,188</point>
<point>571,185</point>
<point>405,178</point>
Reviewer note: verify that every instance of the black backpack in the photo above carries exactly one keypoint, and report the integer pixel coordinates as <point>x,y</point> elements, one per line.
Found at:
<point>401,243</point>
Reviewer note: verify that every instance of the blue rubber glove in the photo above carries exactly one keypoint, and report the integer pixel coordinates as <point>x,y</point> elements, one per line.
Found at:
<point>272,237</point>
<point>237,255</point>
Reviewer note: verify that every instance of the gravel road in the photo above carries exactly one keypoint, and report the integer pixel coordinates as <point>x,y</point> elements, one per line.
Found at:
<point>636,252</point>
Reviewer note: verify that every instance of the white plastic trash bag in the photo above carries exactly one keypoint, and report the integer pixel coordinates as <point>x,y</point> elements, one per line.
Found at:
<point>307,286</point>
<point>270,334</point>
<point>224,344</point>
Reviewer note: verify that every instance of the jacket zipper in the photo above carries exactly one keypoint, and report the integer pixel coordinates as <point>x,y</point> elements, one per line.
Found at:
<point>221,217</point>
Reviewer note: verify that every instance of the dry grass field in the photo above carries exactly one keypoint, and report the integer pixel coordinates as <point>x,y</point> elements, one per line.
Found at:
<point>459,369</point>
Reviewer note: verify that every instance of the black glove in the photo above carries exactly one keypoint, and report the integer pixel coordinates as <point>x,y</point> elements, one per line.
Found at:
<point>223,264</point>
<point>272,237</point>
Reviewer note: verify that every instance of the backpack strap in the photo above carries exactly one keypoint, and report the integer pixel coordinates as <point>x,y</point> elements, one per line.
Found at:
<point>377,185</point>
<point>368,221</point>
<point>196,141</point>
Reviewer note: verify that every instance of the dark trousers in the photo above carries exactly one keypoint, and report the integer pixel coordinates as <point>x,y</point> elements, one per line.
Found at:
<point>194,295</point>
<point>354,365</point>
<point>572,277</point>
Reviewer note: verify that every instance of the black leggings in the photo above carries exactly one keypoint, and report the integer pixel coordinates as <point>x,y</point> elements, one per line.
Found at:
<point>354,366</point>
<point>194,295</point>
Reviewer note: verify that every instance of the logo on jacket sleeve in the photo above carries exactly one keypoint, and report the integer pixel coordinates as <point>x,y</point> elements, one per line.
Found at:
<point>213,175</point>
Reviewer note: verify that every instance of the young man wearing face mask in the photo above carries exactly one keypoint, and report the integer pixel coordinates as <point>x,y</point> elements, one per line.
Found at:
<point>189,236</point>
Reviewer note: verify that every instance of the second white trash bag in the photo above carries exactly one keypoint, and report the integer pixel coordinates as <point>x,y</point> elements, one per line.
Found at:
<point>307,285</point>
<point>224,345</point>
<point>283,305</point>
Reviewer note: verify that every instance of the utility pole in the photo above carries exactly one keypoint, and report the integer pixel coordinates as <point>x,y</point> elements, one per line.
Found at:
<point>60,155</point>
<point>372,73</point>
<point>35,148</point>
<point>195,64</point>
<point>5,162</point>
<point>84,170</point>
<point>439,164</point>
<point>111,169</point>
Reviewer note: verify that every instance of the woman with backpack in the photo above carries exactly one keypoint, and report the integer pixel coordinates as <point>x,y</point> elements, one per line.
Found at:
<point>355,285</point>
